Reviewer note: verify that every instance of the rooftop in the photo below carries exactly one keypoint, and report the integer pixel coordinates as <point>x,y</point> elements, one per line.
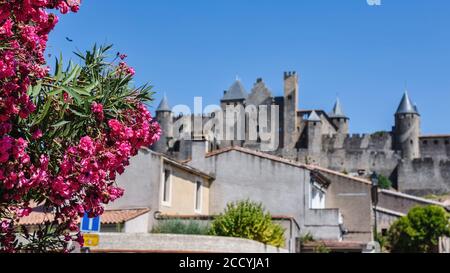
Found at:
<point>406,106</point>
<point>37,217</point>
<point>314,117</point>
<point>337,110</point>
<point>163,105</point>
<point>235,92</point>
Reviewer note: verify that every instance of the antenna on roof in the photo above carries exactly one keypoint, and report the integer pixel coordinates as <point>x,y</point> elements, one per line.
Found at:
<point>237,77</point>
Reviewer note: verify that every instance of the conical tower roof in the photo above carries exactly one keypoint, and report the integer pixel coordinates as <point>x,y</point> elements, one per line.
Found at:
<point>406,106</point>
<point>337,112</point>
<point>163,105</point>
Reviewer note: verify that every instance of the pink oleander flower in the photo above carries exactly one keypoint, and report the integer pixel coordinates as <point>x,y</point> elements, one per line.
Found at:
<point>97,109</point>
<point>63,7</point>
<point>6,29</point>
<point>37,134</point>
<point>87,145</point>
<point>24,212</point>
<point>115,126</point>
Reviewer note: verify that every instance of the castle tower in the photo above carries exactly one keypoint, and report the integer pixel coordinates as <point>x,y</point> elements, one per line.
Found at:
<point>235,95</point>
<point>339,119</point>
<point>407,129</point>
<point>233,103</point>
<point>165,119</point>
<point>314,124</point>
<point>290,118</point>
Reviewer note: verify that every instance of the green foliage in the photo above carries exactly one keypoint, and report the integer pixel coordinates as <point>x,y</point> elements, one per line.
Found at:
<point>383,241</point>
<point>379,133</point>
<point>384,182</point>
<point>64,100</point>
<point>307,238</point>
<point>439,198</point>
<point>181,227</point>
<point>420,230</point>
<point>248,220</point>
<point>322,248</point>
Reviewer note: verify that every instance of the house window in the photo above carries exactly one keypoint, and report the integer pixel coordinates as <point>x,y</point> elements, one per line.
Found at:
<point>317,197</point>
<point>166,187</point>
<point>198,196</point>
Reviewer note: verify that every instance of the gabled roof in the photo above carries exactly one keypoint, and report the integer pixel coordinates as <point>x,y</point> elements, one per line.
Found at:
<point>313,117</point>
<point>261,155</point>
<point>163,105</point>
<point>181,165</point>
<point>337,110</point>
<point>406,106</point>
<point>235,92</point>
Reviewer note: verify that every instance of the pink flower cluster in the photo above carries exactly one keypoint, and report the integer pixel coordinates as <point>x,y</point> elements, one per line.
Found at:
<point>82,177</point>
<point>24,29</point>
<point>88,170</point>
<point>124,69</point>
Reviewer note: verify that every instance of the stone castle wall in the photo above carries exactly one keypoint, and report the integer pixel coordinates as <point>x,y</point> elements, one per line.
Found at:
<point>424,176</point>
<point>435,147</point>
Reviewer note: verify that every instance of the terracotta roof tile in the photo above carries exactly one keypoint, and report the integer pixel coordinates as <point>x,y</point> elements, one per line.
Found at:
<point>108,217</point>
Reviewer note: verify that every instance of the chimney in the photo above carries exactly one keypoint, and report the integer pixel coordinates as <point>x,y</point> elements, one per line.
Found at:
<point>199,149</point>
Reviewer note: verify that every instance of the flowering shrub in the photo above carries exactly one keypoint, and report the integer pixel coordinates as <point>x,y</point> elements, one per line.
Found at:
<point>65,137</point>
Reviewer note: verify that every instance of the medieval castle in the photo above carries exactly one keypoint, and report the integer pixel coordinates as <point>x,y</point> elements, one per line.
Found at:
<point>416,164</point>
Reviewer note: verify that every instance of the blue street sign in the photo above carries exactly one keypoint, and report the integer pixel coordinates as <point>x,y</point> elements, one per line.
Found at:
<point>90,225</point>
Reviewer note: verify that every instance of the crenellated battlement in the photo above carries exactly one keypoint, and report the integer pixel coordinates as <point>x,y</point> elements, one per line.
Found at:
<point>375,142</point>
<point>428,161</point>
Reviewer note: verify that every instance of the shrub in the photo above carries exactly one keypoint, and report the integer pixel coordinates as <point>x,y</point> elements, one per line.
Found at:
<point>249,220</point>
<point>181,227</point>
<point>322,248</point>
<point>385,183</point>
<point>420,230</point>
<point>383,241</point>
<point>307,238</point>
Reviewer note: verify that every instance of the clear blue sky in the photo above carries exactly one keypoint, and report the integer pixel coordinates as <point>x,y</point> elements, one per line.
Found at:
<point>363,53</point>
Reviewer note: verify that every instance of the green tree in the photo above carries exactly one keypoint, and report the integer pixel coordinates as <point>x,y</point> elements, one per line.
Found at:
<point>420,230</point>
<point>384,182</point>
<point>249,220</point>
